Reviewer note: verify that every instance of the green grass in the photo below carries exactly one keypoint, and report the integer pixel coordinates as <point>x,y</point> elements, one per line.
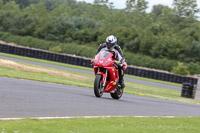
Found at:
<point>44,77</point>
<point>153,80</point>
<point>103,125</point>
<point>82,68</point>
<point>46,61</point>
<point>157,92</point>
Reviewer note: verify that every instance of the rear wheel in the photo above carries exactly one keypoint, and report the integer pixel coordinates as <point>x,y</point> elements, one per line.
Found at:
<point>98,86</point>
<point>117,94</point>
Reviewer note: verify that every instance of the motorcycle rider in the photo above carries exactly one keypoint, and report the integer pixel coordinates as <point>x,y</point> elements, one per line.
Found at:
<point>111,45</point>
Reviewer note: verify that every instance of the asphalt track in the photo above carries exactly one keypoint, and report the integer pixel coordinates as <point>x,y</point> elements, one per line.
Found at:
<point>92,73</point>
<point>21,98</point>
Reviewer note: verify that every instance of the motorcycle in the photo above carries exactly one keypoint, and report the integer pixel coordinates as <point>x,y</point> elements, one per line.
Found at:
<point>107,75</point>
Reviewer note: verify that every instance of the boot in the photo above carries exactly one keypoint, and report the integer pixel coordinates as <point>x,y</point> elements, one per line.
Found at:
<point>121,82</point>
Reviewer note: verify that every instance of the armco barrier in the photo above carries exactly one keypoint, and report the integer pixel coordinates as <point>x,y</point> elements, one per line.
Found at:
<point>76,60</point>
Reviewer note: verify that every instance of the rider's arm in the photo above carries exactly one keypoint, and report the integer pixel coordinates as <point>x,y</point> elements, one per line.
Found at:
<point>120,56</point>
<point>100,47</point>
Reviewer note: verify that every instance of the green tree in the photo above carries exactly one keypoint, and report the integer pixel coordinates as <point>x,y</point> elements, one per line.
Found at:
<point>193,51</point>
<point>11,7</point>
<point>158,10</point>
<point>51,4</point>
<point>10,20</point>
<point>101,2</point>
<point>104,3</point>
<point>136,5</point>
<point>167,46</point>
<point>147,43</point>
<point>39,14</point>
<point>141,6</point>
<point>23,3</point>
<point>5,1</point>
<point>36,10</point>
<point>186,8</point>
<point>61,10</point>
<point>130,4</point>
<point>1,4</point>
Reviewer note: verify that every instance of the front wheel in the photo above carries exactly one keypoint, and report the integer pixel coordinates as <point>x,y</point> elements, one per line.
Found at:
<point>98,86</point>
<point>117,94</point>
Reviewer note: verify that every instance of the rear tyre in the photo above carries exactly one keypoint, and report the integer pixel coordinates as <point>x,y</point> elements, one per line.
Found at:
<point>117,94</point>
<point>98,86</point>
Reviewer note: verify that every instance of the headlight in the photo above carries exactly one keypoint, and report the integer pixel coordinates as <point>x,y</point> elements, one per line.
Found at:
<point>107,62</point>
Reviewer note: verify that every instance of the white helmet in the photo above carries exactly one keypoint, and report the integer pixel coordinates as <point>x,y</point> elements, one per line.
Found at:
<point>111,41</point>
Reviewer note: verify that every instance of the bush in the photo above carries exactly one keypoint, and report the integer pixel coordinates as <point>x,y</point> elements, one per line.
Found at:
<point>181,69</point>
<point>194,68</point>
<point>55,49</point>
<point>80,50</point>
<point>147,61</point>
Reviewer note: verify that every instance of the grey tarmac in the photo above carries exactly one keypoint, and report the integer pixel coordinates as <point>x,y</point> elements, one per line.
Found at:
<point>21,98</point>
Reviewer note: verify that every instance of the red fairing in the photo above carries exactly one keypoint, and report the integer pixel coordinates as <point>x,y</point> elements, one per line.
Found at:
<point>124,66</point>
<point>107,75</point>
<point>103,65</point>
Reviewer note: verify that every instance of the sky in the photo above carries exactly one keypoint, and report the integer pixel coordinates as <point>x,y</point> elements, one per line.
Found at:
<point>120,4</point>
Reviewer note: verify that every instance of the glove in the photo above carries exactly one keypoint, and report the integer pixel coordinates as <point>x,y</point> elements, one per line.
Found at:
<point>117,62</point>
<point>92,61</point>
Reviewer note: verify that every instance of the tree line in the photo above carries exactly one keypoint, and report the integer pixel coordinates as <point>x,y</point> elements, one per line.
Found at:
<point>169,34</point>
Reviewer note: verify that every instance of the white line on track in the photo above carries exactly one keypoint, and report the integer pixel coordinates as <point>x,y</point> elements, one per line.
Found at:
<point>86,117</point>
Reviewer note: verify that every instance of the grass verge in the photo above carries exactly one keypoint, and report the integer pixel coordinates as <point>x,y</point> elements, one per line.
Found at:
<point>103,125</point>
<point>157,92</point>
<point>46,61</point>
<point>44,74</point>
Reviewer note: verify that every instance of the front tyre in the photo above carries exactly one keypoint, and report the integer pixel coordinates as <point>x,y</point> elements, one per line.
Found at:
<point>117,94</point>
<point>98,86</point>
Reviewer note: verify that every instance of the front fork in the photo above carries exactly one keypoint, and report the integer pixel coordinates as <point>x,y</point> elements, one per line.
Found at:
<point>104,77</point>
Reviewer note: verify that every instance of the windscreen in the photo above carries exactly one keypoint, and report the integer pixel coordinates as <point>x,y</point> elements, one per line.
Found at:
<point>104,54</point>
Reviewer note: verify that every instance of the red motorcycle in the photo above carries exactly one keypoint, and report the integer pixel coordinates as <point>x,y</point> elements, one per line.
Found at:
<point>107,76</point>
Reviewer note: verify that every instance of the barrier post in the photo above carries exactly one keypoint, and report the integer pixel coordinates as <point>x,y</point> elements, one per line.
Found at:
<point>197,94</point>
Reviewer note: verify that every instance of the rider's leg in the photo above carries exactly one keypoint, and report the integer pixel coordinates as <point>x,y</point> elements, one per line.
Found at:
<point>121,78</point>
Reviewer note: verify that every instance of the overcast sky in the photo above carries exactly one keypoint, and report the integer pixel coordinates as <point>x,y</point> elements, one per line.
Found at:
<point>120,4</point>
